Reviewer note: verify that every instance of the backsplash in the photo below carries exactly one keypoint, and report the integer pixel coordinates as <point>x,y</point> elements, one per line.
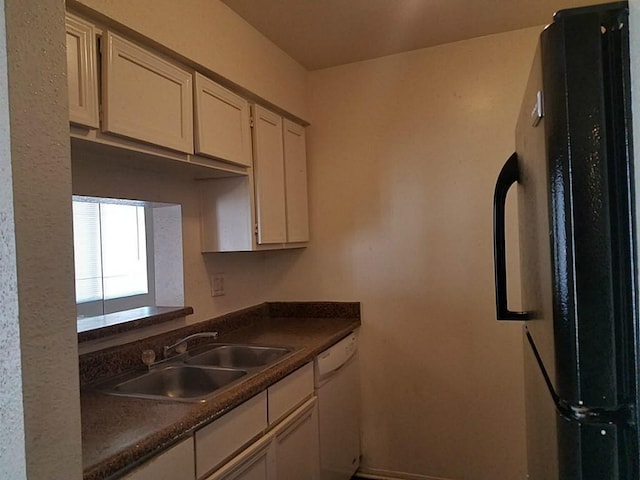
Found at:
<point>113,361</point>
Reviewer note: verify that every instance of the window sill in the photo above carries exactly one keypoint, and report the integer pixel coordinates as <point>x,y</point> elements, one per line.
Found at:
<point>100,326</point>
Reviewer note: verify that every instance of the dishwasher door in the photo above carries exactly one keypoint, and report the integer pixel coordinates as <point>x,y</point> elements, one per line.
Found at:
<point>338,392</point>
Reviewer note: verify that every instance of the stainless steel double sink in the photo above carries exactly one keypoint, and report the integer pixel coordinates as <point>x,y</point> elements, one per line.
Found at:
<point>197,375</point>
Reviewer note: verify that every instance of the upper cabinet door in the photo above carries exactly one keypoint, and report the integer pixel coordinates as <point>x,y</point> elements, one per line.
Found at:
<point>222,125</point>
<point>82,76</point>
<point>269,176</point>
<point>295,168</point>
<point>145,97</point>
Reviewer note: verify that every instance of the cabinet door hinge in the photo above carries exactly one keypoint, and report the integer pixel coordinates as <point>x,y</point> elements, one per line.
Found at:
<point>251,122</point>
<point>255,230</point>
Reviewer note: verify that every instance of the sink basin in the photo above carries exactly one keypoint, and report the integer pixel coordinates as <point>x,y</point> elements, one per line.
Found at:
<point>238,356</point>
<point>177,382</point>
<point>198,375</point>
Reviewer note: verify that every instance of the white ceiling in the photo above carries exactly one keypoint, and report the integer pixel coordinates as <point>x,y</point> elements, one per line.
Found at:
<point>324,33</point>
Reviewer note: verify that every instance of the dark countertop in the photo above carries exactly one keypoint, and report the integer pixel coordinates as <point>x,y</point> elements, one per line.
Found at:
<point>119,433</point>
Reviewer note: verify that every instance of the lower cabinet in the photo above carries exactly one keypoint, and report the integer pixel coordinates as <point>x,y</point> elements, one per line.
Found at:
<point>174,464</point>
<point>272,436</point>
<point>296,444</point>
<point>254,463</point>
<point>289,451</point>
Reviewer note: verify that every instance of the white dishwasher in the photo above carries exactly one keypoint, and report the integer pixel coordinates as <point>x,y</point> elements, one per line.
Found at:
<point>338,390</point>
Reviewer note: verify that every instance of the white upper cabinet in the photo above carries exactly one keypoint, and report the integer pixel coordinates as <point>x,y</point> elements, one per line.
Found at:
<point>82,76</point>
<point>145,96</point>
<point>268,209</point>
<point>295,162</point>
<point>269,176</point>
<point>222,123</point>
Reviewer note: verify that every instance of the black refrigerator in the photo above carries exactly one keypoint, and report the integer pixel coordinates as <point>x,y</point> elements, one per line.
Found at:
<point>573,168</point>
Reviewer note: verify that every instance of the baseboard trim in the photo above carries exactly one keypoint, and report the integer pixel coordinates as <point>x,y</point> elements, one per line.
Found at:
<point>377,474</point>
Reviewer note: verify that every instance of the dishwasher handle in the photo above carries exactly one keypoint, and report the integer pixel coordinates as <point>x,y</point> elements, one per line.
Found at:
<point>325,376</point>
<point>329,362</point>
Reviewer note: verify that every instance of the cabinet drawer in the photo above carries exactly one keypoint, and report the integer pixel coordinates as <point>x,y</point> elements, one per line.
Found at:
<point>228,434</point>
<point>174,464</point>
<point>146,97</point>
<point>290,392</point>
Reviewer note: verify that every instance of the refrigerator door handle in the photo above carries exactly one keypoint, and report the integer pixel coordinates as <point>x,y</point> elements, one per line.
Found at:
<point>508,176</point>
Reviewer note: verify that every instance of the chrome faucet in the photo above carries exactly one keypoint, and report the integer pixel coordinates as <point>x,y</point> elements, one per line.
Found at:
<point>181,345</point>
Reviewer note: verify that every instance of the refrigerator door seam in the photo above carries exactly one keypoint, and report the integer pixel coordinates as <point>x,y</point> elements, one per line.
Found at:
<point>623,415</point>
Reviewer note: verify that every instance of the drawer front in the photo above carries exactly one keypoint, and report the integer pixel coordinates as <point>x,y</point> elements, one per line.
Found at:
<point>290,392</point>
<point>253,463</point>
<point>218,441</point>
<point>174,464</point>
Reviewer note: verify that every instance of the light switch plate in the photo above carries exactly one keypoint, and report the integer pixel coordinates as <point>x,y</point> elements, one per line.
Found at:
<point>217,284</point>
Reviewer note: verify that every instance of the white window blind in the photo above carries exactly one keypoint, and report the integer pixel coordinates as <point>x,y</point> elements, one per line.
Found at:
<point>87,255</point>
<point>124,252</point>
<point>110,251</point>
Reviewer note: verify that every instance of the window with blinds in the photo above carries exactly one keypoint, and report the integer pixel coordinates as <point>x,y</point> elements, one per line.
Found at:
<point>112,258</point>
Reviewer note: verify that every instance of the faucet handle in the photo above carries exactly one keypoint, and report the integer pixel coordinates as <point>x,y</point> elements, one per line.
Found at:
<point>181,348</point>
<point>148,357</point>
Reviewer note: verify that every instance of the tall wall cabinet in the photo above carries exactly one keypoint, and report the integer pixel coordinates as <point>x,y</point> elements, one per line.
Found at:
<point>295,167</point>
<point>269,208</point>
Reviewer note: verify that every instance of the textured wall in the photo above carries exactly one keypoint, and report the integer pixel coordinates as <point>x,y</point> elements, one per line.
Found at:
<point>12,457</point>
<point>211,34</point>
<point>167,246</point>
<point>41,179</point>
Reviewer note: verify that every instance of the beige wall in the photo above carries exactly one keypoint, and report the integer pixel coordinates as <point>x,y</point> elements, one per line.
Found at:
<point>211,34</point>
<point>403,155</point>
